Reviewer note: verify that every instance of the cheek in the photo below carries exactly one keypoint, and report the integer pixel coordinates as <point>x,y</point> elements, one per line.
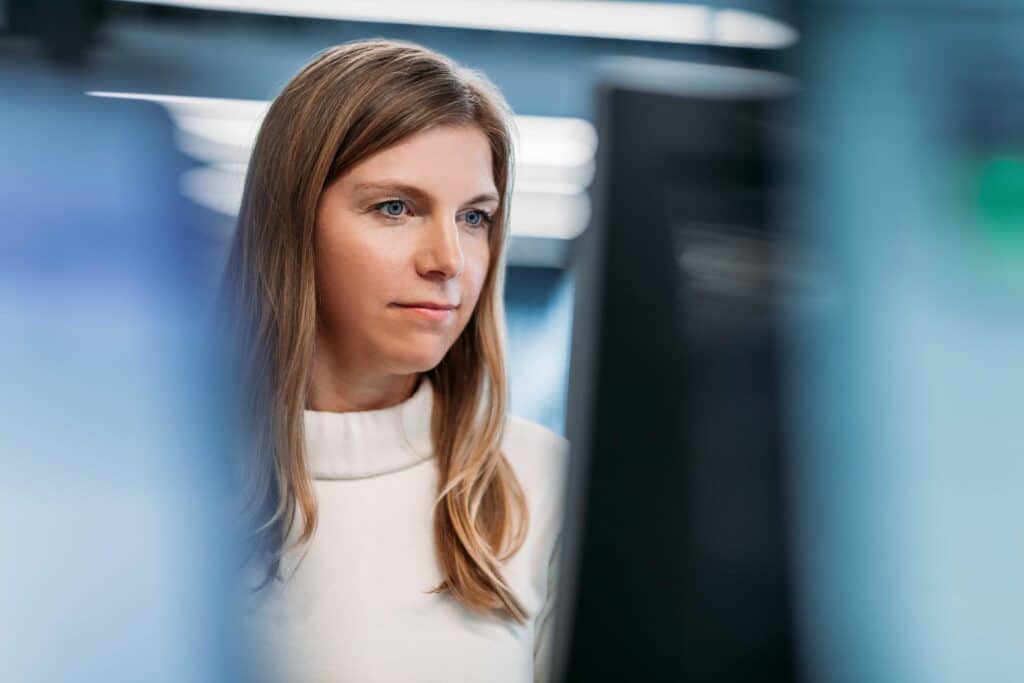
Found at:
<point>352,275</point>
<point>477,264</point>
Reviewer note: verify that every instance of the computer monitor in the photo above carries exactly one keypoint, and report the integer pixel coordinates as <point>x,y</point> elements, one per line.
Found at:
<point>675,563</point>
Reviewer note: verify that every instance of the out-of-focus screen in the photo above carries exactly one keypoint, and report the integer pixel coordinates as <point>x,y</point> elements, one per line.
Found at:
<point>680,565</point>
<point>119,550</point>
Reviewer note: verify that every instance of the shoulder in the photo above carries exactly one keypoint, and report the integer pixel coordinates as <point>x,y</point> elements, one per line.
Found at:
<point>539,455</point>
<point>529,440</point>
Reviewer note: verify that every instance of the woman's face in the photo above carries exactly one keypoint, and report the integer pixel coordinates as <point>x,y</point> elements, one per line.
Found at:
<point>409,225</point>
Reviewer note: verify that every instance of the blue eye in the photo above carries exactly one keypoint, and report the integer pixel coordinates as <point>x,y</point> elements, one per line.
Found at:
<point>393,208</point>
<point>477,218</point>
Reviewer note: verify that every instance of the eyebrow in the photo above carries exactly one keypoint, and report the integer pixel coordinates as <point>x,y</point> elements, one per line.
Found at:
<point>417,193</point>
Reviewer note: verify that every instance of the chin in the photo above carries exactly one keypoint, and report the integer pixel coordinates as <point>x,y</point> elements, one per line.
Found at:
<point>420,362</point>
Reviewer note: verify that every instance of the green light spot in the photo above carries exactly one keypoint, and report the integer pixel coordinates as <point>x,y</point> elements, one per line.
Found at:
<point>1000,204</point>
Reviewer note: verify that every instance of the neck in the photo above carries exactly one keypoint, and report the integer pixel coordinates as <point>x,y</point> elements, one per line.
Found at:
<point>337,387</point>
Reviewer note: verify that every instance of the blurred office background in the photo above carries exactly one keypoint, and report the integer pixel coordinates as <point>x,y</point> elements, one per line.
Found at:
<point>863,455</point>
<point>214,66</point>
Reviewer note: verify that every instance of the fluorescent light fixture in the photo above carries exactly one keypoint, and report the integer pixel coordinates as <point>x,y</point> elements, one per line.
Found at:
<point>548,214</point>
<point>211,129</point>
<point>662,22</point>
<point>735,28</point>
<point>218,188</point>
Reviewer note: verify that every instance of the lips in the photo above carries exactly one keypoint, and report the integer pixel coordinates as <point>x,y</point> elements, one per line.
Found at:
<point>429,304</point>
<point>429,311</point>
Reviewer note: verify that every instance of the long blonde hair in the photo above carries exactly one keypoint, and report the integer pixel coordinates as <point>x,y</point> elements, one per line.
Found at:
<point>350,102</point>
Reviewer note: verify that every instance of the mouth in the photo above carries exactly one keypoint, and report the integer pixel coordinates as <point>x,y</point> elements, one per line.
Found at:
<point>429,311</point>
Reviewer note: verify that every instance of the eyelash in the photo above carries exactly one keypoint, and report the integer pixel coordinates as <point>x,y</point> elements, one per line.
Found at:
<point>486,220</point>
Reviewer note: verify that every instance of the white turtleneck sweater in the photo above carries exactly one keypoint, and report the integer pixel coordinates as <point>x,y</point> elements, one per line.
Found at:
<point>355,607</point>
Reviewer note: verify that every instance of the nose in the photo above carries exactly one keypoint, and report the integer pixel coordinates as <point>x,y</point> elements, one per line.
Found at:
<point>440,251</point>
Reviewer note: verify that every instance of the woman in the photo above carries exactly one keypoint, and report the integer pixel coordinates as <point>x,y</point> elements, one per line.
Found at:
<point>408,528</point>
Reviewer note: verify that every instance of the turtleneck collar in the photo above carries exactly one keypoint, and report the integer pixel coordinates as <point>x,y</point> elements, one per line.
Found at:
<point>368,443</point>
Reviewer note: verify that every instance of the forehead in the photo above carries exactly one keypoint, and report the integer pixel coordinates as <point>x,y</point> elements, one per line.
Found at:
<point>446,161</point>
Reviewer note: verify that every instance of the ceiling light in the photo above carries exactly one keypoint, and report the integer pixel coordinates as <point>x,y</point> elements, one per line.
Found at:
<point>662,22</point>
